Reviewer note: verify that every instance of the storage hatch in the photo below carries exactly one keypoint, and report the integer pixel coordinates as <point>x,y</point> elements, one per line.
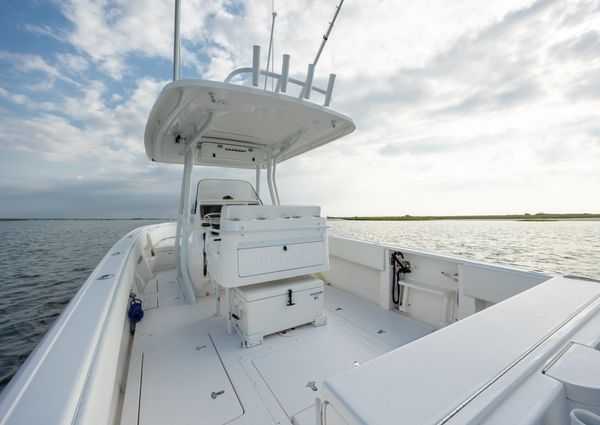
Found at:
<point>185,383</point>
<point>294,374</point>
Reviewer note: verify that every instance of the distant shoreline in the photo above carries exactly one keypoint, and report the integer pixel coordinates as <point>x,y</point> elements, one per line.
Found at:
<point>515,217</point>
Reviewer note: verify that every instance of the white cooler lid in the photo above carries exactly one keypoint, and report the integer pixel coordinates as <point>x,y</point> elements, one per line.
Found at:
<point>278,287</point>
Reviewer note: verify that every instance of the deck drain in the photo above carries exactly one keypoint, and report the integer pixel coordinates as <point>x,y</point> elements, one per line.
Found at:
<point>338,308</point>
<point>105,276</point>
<point>312,385</point>
<point>355,363</point>
<point>380,331</point>
<point>115,253</point>
<point>200,347</point>
<point>214,395</point>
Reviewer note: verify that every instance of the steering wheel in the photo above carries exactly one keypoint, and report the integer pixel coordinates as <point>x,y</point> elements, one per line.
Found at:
<point>214,219</point>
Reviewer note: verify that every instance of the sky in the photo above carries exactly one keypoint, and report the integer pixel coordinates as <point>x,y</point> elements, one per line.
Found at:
<point>461,107</point>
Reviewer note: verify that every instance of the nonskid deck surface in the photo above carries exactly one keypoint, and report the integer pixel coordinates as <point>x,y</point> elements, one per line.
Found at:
<point>184,368</point>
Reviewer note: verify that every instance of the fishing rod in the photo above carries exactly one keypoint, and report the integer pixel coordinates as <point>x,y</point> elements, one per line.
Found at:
<point>326,35</point>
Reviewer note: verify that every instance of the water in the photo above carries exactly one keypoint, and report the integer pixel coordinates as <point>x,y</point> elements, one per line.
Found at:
<point>561,247</point>
<point>44,263</point>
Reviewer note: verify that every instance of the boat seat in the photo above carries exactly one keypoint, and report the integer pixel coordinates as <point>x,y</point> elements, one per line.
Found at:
<point>163,254</point>
<point>164,245</point>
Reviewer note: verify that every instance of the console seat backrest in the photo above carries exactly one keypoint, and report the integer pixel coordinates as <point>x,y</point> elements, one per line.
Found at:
<point>264,212</point>
<point>261,243</point>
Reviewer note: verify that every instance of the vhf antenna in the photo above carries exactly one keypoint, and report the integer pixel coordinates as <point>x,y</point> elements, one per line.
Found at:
<point>274,15</point>
<point>177,43</point>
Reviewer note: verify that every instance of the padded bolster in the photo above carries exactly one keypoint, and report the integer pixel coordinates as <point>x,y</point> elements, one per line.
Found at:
<point>253,212</point>
<point>165,245</point>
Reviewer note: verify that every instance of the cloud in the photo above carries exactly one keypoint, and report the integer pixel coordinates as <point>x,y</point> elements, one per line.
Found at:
<point>450,102</point>
<point>83,127</point>
<point>73,63</point>
<point>19,99</point>
<point>104,197</point>
<point>507,96</point>
<point>430,146</point>
<point>109,32</point>
<point>587,86</point>
<point>32,64</point>
<point>581,47</point>
<point>26,101</point>
<point>44,30</point>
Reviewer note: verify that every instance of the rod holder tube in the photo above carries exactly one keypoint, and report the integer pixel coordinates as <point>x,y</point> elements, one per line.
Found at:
<point>255,65</point>
<point>285,72</point>
<point>177,43</point>
<point>330,84</point>
<point>309,79</point>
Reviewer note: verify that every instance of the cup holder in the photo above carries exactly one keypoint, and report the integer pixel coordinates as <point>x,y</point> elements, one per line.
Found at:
<point>583,417</point>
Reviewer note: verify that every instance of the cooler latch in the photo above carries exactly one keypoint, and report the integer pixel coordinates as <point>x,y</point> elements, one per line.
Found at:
<point>289,303</point>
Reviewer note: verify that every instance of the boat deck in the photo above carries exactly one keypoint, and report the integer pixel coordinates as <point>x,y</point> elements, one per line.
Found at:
<point>184,367</point>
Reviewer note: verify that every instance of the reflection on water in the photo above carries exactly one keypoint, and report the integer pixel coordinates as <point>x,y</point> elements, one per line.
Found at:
<point>560,247</point>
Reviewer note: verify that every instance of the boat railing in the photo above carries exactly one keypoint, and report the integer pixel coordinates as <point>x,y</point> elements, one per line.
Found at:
<point>283,79</point>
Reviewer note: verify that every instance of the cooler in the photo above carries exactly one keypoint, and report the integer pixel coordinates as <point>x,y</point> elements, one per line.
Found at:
<point>270,307</point>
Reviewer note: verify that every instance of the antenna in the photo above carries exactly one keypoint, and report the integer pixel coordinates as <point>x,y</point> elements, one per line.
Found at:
<point>326,36</point>
<point>176,43</point>
<point>274,15</point>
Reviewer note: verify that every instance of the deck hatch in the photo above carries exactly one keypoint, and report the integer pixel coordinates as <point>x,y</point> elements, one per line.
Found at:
<point>184,383</point>
<point>313,360</point>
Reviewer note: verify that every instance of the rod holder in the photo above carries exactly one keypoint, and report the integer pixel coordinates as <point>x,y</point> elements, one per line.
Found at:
<point>309,79</point>
<point>329,89</point>
<point>255,64</point>
<point>285,72</point>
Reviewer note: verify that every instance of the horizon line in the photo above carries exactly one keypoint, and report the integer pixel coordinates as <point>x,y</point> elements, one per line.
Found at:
<point>346,217</point>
